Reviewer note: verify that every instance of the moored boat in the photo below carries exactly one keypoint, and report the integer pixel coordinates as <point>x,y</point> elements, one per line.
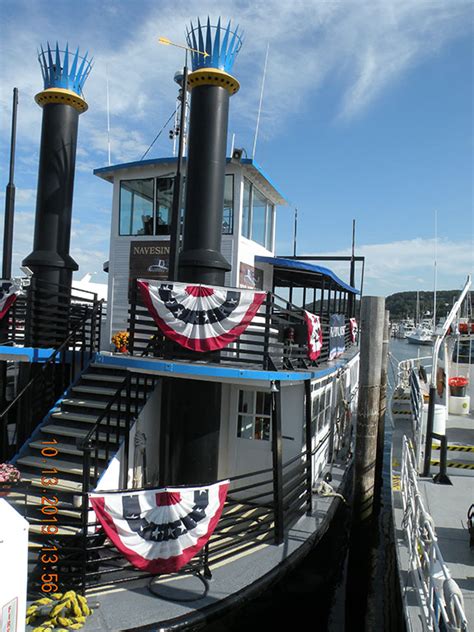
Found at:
<point>213,438</point>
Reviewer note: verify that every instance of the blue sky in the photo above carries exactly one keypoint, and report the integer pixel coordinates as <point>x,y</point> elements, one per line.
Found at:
<point>367,115</point>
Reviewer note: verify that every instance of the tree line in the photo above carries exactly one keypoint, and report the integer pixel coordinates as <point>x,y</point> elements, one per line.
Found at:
<point>403,304</point>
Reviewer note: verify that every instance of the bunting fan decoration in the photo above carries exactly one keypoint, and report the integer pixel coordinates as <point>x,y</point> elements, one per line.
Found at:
<point>160,530</point>
<point>200,317</point>
<point>315,335</point>
<point>354,329</point>
<point>9,290</point>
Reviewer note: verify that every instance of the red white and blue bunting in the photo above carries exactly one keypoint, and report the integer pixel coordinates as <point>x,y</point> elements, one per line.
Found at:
<point>200,317</point>
<point>354,329</point>
<point>160,530</point>
<point>315,335</point>
<point>9,290</point>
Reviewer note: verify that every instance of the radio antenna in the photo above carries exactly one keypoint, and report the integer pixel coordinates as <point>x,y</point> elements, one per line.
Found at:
<point>260,103</point>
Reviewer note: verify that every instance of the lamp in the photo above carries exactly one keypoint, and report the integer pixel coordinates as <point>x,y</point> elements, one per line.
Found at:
<point>237,155</point>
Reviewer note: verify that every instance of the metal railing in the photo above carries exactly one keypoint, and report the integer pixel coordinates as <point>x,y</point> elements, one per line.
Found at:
<point>44,384</point>
<point>276,337</point>
<point>249,519</point>
<point>439,597</point>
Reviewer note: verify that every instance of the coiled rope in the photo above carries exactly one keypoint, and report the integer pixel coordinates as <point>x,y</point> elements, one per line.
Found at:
<point>62,612</point>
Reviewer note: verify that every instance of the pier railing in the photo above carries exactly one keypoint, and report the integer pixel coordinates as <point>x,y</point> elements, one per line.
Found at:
<point>439,596</point>
<point>276,338</point>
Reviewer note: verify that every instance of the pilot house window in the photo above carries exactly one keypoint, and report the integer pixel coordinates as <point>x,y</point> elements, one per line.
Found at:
<point>254,415</point>
<point>136,207</point>
<point>257,216</point>
<point>146,206</point>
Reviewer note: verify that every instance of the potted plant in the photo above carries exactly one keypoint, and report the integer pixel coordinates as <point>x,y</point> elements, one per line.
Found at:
<point>9,476</point>
<point>458,386</point>
<point>120,340</point>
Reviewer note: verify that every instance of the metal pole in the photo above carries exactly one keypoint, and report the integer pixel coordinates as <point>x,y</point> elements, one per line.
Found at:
<point>175,227</point>
<point>352,273</point>
<point>277,452</point>
<point>295,232</point>
<point>308,437</point>
<point>10,199</point>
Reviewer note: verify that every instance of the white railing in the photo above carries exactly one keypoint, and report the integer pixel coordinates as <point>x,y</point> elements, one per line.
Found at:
<point>440,598</point>
<point>405,367</point>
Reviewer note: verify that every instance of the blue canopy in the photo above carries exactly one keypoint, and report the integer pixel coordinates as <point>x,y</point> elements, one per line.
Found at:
<point>301,266</point>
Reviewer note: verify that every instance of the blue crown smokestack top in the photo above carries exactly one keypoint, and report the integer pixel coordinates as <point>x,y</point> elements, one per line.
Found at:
<point>64,75</point>
<point>62,69</point>
<point>220,44</point>
<point>193,413</point>
<point>211,86</point>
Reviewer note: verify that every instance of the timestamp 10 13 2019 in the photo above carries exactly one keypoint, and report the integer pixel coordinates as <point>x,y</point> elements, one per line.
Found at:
<point>49,556</point>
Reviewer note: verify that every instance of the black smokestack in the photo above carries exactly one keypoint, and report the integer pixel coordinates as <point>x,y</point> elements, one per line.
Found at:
<point>211,86</point>
<point>64,75</point>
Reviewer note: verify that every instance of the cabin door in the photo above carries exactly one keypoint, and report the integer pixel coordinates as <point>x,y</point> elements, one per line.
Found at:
<point>251,433</point>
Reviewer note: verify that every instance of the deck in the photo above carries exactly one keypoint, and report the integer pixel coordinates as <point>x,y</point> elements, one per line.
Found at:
<point>447,504</point>
<point>186,600</point>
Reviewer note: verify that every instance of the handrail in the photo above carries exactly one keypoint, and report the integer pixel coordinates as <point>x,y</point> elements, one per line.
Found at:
<point>52,357</point>
<point>116,396</point>
<point>441,603</point>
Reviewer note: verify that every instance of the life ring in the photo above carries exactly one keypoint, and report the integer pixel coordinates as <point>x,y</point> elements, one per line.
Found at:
<point>440,381</point>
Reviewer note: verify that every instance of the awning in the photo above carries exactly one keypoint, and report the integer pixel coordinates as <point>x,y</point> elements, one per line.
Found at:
<point>294,272</point>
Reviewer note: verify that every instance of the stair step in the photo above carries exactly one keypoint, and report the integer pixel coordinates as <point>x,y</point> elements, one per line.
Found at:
<point>68,416</point>
<point>91,403</point>
<point>95,390</point>
<point>35,504</point>
<point>65,448</point>
<point>49,463</point>
<point>62,530</point>
<point>63,485</point>
<point>70,431</point>
<point>103,377</point>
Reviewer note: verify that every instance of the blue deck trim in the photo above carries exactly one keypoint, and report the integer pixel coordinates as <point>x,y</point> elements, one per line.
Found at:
<point>211,370</point>
<point>26,354</point>
<point>294,264</point>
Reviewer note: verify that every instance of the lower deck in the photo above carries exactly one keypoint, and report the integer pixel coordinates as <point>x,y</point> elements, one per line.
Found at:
<point>190,601</point>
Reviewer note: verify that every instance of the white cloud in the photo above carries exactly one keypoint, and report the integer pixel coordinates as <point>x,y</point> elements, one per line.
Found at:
<point>410,265</point>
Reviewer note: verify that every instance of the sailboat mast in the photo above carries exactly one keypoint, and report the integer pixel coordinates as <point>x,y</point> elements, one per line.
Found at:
<point>435,270</point>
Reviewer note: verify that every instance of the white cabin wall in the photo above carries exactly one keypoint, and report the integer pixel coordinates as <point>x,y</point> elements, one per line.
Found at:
<point>292,418</point>
<point>235,248</point>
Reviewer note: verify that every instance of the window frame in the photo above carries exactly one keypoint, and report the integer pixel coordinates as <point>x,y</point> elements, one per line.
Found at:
<point>254,414</point>
<point>130,233</point>
<point>269,217</point>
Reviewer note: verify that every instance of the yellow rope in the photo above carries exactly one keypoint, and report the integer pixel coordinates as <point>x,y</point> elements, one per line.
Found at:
<point>68,611</point>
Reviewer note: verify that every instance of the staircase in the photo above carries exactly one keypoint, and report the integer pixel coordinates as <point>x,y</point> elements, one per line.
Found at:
<point>97,413</point>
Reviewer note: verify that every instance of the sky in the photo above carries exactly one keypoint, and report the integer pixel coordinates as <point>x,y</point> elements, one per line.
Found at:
<point>367,115</point>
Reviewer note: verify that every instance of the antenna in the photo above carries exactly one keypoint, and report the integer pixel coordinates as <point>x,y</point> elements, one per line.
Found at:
<point>295,232</point>
<point>260,104</point>
<point>435,270</point>
<point>108,111</point>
